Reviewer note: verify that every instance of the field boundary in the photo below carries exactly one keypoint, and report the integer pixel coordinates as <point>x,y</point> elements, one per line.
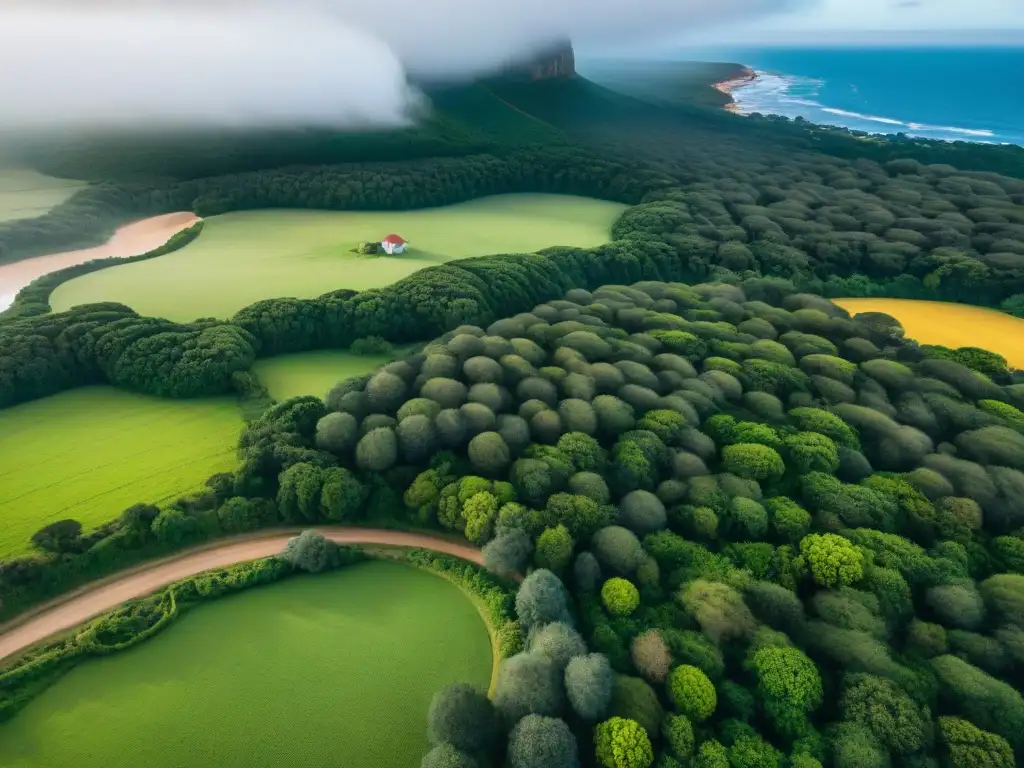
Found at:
<point>96,598</point>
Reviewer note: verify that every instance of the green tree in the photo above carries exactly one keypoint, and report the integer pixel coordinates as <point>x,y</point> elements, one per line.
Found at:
<point>692,693</point>
<point>966,746</point>
<point>887,710</point>
<point>622,743</point>
<point>620,596</point>
<point>753,460</point>
<point>542,742</point>
<point>832,559</point>
<point>479,511</point>
<point>342,495</point>
<point>463,717</point>
<point>554,549</point>
<point>678,733</point>
<point>588,685</point>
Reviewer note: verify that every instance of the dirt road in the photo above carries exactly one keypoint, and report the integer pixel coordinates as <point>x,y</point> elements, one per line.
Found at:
<point>88,602</point>
<point>130,240</point>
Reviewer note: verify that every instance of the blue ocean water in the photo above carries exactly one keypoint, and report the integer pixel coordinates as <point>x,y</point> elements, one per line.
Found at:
<point>955,94</point>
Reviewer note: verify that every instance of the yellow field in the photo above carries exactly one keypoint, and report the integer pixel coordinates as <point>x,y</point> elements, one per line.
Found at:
<point>951,325</point>
<point>90,453</point>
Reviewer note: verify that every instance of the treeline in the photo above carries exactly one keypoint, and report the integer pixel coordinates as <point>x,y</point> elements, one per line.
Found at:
<point>902,229</point>
<point>49,353</point>
<point>110,343</point>
<point>91,216</point>
<point>88,218</point>
<point>910,230</point>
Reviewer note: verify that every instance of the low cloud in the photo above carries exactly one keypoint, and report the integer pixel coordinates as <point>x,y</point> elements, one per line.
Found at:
<point>72,64</point>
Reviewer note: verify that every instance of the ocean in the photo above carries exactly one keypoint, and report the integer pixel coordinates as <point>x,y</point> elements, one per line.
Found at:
<point>954,94</point>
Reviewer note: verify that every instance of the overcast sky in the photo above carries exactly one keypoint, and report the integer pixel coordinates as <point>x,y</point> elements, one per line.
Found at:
<point>897,21</point>
<point>117,63</point>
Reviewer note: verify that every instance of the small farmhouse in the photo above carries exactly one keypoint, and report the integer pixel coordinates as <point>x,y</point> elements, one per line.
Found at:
<point>393,244</point>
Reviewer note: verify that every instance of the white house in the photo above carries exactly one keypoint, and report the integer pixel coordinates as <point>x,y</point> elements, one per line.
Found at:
<point>393,244</point>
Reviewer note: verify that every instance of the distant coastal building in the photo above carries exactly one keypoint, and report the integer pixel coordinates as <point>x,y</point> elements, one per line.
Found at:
<point>393,244</point>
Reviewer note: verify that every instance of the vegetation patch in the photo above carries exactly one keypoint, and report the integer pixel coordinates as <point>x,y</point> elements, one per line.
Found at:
<point>90,453</point>
<point>26,194</point>
<point>247,256</point>
<point>314,373</point>
<point>295,673</point>
<point>951,325</point>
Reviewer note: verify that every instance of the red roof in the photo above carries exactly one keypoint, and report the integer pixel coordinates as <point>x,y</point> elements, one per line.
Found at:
<point>394,240</point>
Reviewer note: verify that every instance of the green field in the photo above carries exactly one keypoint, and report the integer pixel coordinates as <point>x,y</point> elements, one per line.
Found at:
<point>244,257</point>
<point>312,672</point>
<point>313,373</point>
<point>25,194</point>
<point>89,453</point>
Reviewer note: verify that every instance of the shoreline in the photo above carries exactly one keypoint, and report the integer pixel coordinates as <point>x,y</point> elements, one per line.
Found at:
<point>747,76</point>
<point>913,130</point>
<point>130,240</point>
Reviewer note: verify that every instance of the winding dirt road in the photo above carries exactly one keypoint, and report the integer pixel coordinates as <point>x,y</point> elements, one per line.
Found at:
<point>81,605</point>
<point>130,240</point>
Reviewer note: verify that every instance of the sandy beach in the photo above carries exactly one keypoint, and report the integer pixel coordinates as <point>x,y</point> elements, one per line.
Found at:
<point>130,240</point>
<point>728,86</point>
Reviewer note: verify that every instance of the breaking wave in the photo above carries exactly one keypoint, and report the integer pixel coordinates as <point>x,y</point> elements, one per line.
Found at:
<point>793,96</point>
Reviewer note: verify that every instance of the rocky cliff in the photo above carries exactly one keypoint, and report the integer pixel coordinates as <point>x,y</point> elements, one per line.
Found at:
<point>554,62</point>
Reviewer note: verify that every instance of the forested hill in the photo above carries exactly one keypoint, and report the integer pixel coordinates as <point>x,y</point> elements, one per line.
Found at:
<point>666,113</point>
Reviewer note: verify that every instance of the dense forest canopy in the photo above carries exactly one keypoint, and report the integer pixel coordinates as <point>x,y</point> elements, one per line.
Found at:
<point>755,530</point>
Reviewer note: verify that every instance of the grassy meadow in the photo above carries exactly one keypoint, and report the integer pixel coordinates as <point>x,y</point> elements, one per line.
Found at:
<point>951,325</point>
<point>315,671</point>
<point>313,373</point>
<point>25,194</point>
<point>89,453</point>
<point>247,256</point>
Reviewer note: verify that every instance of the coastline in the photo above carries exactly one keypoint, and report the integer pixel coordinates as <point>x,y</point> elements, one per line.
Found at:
<point>746,77</point>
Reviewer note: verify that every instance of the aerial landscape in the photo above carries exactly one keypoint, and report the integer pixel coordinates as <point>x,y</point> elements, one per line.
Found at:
<point>468,385</point>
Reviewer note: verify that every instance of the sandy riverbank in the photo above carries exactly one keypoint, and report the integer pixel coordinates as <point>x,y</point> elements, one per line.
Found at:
<point>728,86</point>
<point>130,240</point>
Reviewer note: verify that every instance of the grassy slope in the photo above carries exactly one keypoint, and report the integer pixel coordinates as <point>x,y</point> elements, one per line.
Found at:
<point>312,373</point>
<point>243,257</point>
<point>951,325</point>
<point>26,194</point>
<point>89,453</point>
<point>336,669</point>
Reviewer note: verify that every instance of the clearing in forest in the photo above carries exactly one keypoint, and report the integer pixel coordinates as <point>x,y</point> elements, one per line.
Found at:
<point>334,669</point>
<point>90,453</point>
<point>26,194</point>
<point>243,257</point>
<point>951,325</point>
<point>313,373</point>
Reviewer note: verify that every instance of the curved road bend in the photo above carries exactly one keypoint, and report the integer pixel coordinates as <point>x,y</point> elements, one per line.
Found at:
<point>92,601</point>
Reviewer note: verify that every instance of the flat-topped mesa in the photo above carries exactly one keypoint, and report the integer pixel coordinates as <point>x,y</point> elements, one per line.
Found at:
<point>556,61</point>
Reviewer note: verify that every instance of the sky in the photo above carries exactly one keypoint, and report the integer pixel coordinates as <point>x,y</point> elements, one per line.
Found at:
<point>947,15</point>
<point>894,22</point>
<point>115,64</point>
